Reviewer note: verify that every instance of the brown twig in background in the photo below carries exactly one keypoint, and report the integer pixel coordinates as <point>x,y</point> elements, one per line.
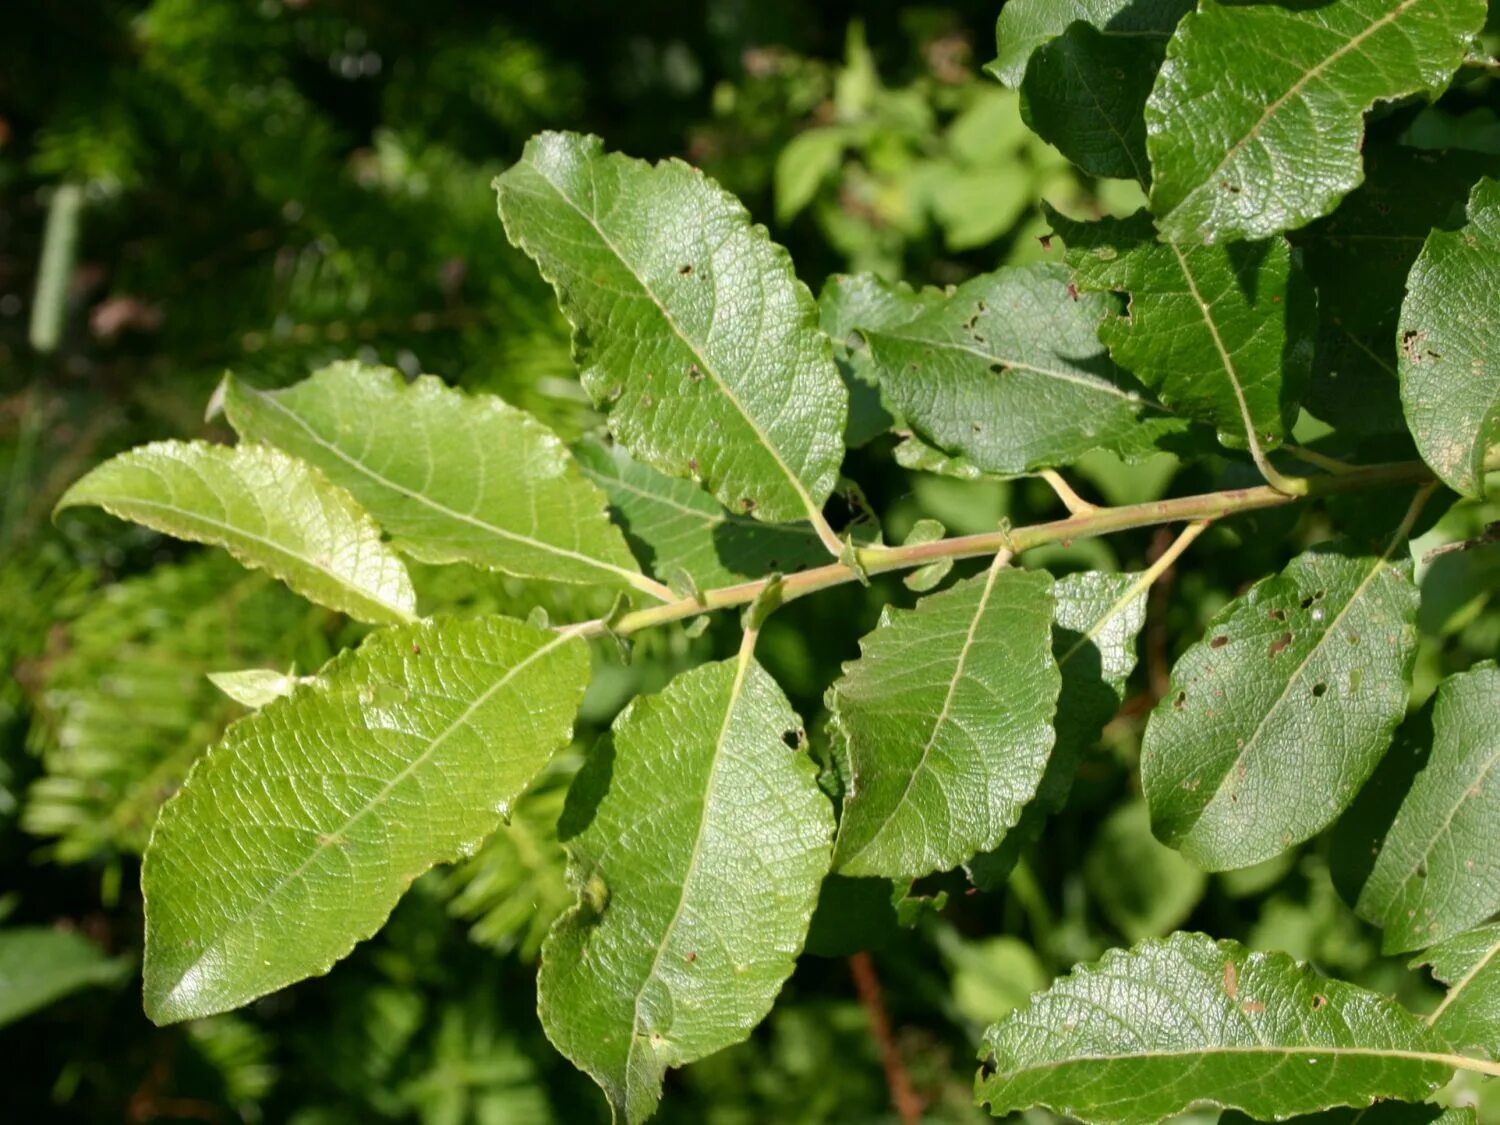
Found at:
<point>905,1100</point>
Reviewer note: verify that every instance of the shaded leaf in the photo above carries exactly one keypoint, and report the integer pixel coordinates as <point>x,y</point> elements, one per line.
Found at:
<point>292,839</point>
<point>1025,25</point>
<point>688,322</point>
<point>270,511</point>
<point>1085,94</point>
<point>1275,719</point>
<point>1257,119</point>
<point>1449,359</point>
<point>1469,1015</point>
<point>947,720</point>
<point>679,527</point>
<point>1381,1113</point>
<point>1096,619</point>
<point>1170,1024</point>
<point>1438,871</point>
<point>39,965</point>
<point>697,841</point>
<point>1222,334</point>
<point>451,477</point>
<point>1359,258</point>
<point>1008,373</point>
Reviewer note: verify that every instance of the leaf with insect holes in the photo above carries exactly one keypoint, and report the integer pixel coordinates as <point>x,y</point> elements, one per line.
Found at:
<point>292,839</point>
<point>947,722</point>
<point>1449,355</point>
<point>1025,25</point>
<point>450,476</point>
<point>1007,372</point>
<point>1438,871</point>
<point>1174,1024</point>
<point>698,840</point>
<point>1275,719</point>
<point>1222,334</point>
<point>269,510</point>
<point>1257,119</point>
<point>689,325</point>
<point>679,528</point>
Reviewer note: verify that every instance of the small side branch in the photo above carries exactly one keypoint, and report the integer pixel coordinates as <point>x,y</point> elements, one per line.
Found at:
<point>867,984</point>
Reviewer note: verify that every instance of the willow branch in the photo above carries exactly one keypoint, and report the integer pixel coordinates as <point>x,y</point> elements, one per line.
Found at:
<point>1206,506</point>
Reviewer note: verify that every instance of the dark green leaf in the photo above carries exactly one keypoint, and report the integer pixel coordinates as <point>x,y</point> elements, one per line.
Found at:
<point>1257,119</point>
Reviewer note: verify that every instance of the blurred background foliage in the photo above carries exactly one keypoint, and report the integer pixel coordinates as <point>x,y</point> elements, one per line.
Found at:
<point>267,185</point>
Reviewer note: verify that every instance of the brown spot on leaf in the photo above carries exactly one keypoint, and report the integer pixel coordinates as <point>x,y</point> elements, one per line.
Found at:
<point>1218,642</point>
<point>1231,980</point>
<point>1279,645</point>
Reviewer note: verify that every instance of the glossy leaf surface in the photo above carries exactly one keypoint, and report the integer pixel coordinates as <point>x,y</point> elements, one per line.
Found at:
<point>688,323</point>
<point>1257,118</point>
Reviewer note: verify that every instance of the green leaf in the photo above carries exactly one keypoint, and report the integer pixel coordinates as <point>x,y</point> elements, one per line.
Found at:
<point>1275,719</point>
<point>676,526</point>
<point>698,841</point>
<point>38,966</point>
<point>1142,886</point>
<point>1450,361</point>
<point>1222,334</point>
<point>1085,93</point>
<point>270,511</point>
<point>1438,871</point>
<point>292,839</point>
<point>803,164</point>
<point>1469,1016</point>
<point>1151,1031</point>
<point>254,687</point>
<point>1375,237</point>
<point>947,719</point>
<point>1257,119</point>
<point>1008,373</point>
<point>1096,620</point>
<point>451,477</point>
<point>847,304</point>
<point>688,323</point>
<point>1024,25</point>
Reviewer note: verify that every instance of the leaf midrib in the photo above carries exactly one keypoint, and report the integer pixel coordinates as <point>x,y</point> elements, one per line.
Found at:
<point>736,686</point>
<point>1463,982</point>
<point>442,509</point>
<point>1444,1058</point>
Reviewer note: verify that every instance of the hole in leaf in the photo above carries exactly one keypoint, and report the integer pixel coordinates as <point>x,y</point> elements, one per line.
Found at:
<point>747,503</point>
<point>793,738</point>
<point>997,369</point>
<point>685,269</point>
<point>1319,690</point>
<point>1276,614</point>
<point>1179,701</point>
<point>1279,645</point>
<point>694,374</point>
<point>1319,1002</point>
